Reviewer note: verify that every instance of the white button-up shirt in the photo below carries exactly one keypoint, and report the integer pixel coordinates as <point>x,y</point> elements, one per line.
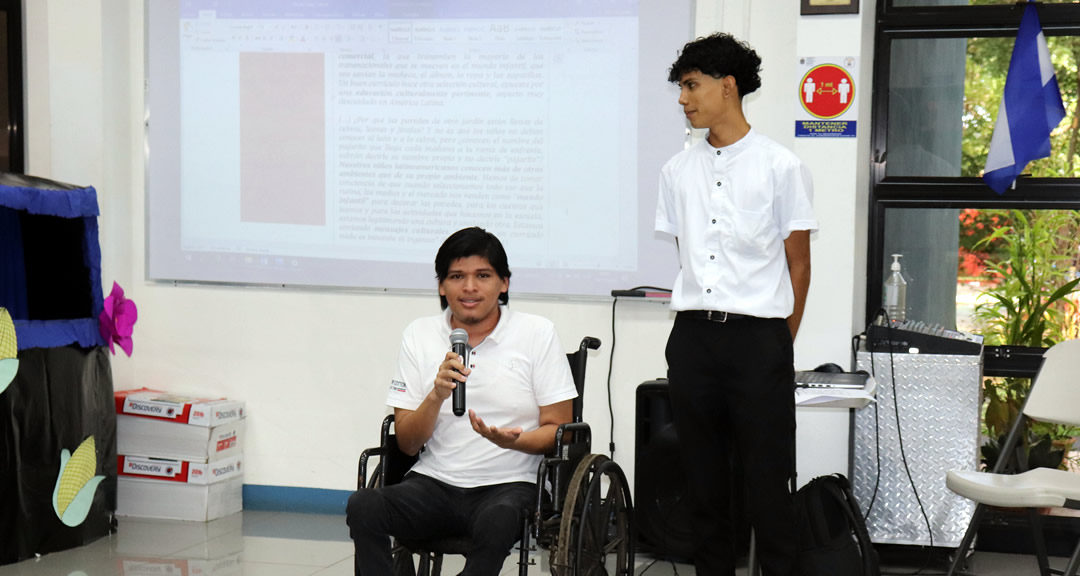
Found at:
<point>731,209</point>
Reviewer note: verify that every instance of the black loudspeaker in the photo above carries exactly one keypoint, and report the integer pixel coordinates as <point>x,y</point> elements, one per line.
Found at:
<point>661,503</point>
<point>661,506</point>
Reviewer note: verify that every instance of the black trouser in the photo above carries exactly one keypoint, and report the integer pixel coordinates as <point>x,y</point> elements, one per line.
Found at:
<point>422,508</point>
<point>732,394</point>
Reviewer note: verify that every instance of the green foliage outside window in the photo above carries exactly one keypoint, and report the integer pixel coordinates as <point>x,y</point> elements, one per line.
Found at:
<point>1026,259</point>
<point>1035,269</point>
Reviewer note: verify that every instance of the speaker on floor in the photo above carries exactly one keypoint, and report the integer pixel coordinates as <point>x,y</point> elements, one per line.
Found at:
<point>662,506</point>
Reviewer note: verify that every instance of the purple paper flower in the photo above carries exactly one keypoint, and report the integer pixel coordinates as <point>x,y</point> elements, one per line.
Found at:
<point>117,320</point>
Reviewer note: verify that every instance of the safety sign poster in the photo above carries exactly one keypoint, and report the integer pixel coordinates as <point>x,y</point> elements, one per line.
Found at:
<point>827,93</point>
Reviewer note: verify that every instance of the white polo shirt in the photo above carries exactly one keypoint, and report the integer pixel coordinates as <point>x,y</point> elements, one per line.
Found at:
<point>519,367</point>
<point>731,209</point>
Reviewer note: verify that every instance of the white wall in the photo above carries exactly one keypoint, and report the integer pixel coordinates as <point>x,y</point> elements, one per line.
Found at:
<point>313,365</point>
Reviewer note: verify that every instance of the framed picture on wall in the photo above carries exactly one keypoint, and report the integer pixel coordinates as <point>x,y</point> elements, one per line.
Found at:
<point>830,7</point>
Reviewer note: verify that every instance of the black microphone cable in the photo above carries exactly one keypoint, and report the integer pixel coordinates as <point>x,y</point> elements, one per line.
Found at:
<point>903,453</point>
<point>611,364</point>
<point>877,422</point>
<point>900,437</point>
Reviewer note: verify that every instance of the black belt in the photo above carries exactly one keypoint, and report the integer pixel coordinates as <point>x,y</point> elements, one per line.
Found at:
<point>714,315</point>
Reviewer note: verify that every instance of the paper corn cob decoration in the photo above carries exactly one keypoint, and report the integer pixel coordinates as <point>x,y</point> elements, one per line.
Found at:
<point>76,483</point>
<point>9,350</point>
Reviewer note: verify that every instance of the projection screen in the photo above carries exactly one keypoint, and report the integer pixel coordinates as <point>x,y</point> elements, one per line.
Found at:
<point>338,143</point>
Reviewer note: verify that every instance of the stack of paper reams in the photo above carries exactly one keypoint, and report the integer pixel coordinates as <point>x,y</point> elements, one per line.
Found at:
<point>179,457</point>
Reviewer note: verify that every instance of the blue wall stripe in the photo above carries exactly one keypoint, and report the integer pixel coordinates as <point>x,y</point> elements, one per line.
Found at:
<point>293,499</point>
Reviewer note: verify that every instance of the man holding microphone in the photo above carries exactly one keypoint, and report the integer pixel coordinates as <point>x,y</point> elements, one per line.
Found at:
<point>473,478</point>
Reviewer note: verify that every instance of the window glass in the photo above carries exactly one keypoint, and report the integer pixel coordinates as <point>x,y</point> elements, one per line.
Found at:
<point>944,95</point>
<point>927,240</point>
<point>987,271</point>
<point>926,107</point>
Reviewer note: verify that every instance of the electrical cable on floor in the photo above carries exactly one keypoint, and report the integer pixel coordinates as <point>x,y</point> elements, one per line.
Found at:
<point>647,566</point>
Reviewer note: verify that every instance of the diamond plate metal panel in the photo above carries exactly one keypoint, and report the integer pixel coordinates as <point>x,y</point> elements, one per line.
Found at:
<point>938,397</point>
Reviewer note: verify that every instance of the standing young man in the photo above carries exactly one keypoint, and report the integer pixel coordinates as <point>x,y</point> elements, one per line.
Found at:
<point>739,206</point>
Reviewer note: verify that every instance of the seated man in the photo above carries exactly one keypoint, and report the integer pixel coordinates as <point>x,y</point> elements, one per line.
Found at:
<point>473,477</point>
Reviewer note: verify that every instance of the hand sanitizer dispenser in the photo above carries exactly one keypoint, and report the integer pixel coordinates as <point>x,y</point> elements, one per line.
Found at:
<point>896,292</point>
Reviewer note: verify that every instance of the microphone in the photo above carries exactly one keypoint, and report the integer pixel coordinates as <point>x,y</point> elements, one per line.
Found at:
<point>459,344</point>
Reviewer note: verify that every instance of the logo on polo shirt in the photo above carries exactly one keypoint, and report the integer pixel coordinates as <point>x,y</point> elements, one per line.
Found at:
<point>397,386</point>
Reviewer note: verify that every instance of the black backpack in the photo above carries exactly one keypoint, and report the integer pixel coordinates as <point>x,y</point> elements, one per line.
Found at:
<point>833,540</point>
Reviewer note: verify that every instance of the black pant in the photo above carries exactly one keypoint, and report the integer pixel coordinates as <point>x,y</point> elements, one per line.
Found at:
<point>422,508</point>
<point>732,394</point>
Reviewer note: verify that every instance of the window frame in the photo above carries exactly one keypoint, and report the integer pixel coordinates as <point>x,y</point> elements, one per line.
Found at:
<point>886,192</point>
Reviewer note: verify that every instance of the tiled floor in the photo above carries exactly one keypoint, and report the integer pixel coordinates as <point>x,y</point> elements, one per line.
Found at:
<point>257,543</point>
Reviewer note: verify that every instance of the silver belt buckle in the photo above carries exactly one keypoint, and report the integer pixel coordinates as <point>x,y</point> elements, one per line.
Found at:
<point>721,316</point>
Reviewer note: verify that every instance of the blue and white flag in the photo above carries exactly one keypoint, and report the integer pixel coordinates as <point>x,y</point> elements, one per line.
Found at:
<point>1030,108</point>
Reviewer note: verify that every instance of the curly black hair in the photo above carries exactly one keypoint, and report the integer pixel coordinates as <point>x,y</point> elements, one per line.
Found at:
<point>720,55</point>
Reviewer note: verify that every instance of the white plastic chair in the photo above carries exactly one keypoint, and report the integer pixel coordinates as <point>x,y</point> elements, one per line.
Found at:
<point>1054,396</point>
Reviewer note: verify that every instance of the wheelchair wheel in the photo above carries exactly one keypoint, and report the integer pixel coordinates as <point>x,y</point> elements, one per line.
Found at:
<point>596,522</point>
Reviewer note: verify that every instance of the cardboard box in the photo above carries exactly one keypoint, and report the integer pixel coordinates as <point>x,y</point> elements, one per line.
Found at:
<point>165,470</point>
<point>161,439</point>
<point>177,500</point>
<point>169,407</point>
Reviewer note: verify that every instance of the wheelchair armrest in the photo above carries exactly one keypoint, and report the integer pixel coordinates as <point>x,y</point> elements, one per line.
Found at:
<point>361,469</point>
<point>581,434</point>
<point>571,441</point>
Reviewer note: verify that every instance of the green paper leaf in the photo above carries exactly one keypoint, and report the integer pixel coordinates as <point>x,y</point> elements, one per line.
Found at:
<point>80,506</point>
<point>8,368</point>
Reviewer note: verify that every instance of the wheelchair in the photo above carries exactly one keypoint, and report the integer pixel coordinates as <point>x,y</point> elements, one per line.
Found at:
<point>582,514</point>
